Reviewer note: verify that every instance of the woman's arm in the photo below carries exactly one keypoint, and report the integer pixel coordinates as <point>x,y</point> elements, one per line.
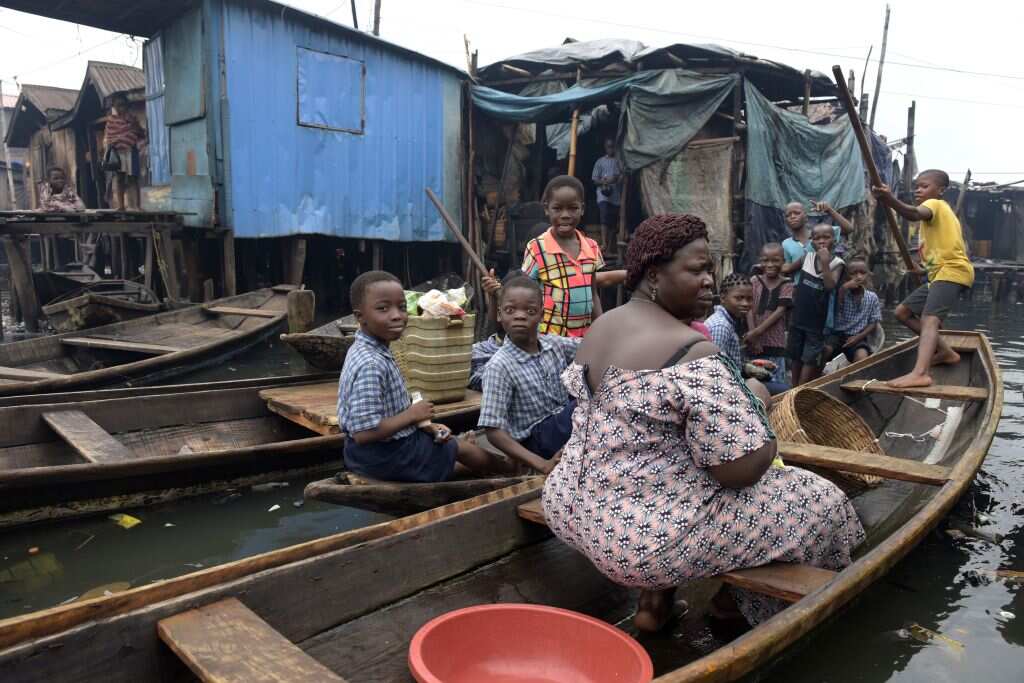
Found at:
<point>745,471</point>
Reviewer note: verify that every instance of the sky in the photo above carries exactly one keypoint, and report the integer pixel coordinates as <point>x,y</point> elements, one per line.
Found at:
<point>963,63</point>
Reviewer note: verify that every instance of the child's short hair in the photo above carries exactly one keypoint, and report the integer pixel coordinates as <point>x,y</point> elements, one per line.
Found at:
<point>940,176</point>
<point>517,280</point>
<point>731,281</point>
<point>51,169</point>
<point>772,246</point>
<point>857,259</point>
<point>831,230</point>
<point>357,292</point>
<point>562,181</point>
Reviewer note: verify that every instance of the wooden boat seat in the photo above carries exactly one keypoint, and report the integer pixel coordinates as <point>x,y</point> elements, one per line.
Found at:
<point>226,642</point>
<point>231,310</point>
<point>28,375</point>
<point>120,345</point>
<point>88,439</point>
<point>790,582</point>
<point>948,392</point>
<point>900,469</point>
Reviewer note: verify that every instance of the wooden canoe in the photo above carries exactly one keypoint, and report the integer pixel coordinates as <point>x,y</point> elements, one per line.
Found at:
<point>353,608</point>
<point>324,347</point>
<point>101,303</point>
<point>144,350</point>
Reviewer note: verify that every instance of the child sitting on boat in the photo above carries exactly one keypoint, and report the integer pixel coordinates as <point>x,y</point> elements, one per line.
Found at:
<point>813,301</point>
<point>390,437</point>
<point>526,409</point>
<point>858,315</point>
<point>950,273</point>
<point>773,297</point>
<point>729,321</point>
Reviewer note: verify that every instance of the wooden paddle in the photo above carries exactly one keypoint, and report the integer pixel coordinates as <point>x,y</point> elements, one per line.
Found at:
<point>865,150</point>
<point>450,222</point>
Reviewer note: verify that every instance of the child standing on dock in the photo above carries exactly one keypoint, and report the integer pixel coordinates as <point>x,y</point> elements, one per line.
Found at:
<point>858,315</point>
<point>390,437</point>
<point>526,409</point>
<point>950,273</point>
<point>797,246</point>
<point>773,297</point>
<point>813,297</point>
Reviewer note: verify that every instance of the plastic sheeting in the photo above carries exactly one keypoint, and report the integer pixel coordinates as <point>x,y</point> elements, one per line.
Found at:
<point>663,109</point>
<point>790,159</point>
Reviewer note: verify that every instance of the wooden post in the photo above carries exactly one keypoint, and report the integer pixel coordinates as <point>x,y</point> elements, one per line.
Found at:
<point>376,17</point>
<point>228,260</point>
<point>963,195</point>
<point>805,108</point>
<point>301,310</point>
<point>573,128</point>
<point>881,64</point>
<point>7,153</point>
<point>21,277</point>
<point>869,162</point>
<point>909,161</point>
<point>378,256</point>
<point>147,276</point>
<point>193,281</point>
<point>500,197</point>
<point>862,110</point>
<point>853,83</point>
<point>620,240</point>
<point>208,292</point>
<point>296,260</point>
<point>355,17</point>
<point>165,260</point>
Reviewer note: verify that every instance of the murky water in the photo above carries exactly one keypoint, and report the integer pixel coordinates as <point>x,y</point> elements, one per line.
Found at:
<point>948,587</point>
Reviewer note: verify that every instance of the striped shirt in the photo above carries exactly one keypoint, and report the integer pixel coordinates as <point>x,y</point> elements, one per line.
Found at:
<point>521,388</point>
<point>371,388</point>
<point>568,282</point>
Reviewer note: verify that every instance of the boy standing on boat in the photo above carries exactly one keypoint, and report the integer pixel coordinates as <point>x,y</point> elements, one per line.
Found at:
<point>526,409</point>
<point>813,298</point>
<point>390,437</point>
<point>858,315</point>
<point>949,271</point>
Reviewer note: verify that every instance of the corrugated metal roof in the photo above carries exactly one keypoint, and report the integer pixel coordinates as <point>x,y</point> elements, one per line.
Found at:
<point>48,98</point>
<point>36,105</point>
<point>110,78</point>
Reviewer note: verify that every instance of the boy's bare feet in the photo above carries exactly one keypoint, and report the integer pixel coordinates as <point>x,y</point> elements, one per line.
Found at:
<point>910,380</point>
<point>951,357</point>
<point>654,611</point>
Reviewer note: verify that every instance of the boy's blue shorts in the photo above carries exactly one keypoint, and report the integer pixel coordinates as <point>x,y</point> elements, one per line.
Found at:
<point>414,458</point>
<point>548,436</point>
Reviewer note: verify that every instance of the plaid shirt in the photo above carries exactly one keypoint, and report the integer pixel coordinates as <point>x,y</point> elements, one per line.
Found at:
<point>521,389</point>
<point>723,333</point>
<point>568,282</point>
<point>482,352</point>
<point>371,388</point>
<point>857,312</point>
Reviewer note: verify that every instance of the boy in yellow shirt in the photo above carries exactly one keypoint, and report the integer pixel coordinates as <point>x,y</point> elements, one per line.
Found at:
<point>949,270</point>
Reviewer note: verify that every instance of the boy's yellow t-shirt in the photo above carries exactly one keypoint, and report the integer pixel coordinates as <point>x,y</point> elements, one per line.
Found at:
<point>945,256</point>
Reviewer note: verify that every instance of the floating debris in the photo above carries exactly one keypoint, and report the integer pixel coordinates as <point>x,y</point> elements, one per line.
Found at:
<point>1007,615</point>
<point>298,503</point>
<point>124,521</point>
<point>85,542</point>
<point>926,635</point>
<point>274,507</point>
<point>33,550</point>
<point>167,524</point>
<point>1010,575</point>
<point>269,486</point>
<point>228,498</point>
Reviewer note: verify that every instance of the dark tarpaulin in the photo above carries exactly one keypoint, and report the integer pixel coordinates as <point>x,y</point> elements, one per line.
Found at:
<point>663,109</point>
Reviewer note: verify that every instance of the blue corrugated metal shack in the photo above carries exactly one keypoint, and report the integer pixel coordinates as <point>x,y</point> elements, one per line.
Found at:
<point>279,122</point>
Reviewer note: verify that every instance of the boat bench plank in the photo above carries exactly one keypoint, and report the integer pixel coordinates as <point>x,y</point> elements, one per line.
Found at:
<point>28,375</point>
<point>124,345</point>
<point>901,469</point>
<point>226,642</point>
<point>232,310</point>
<point>88,439</point>
<point>790,582</point>
<point>949,392</point>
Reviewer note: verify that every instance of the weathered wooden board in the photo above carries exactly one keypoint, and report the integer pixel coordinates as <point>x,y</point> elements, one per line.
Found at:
<point>400,497</point>
<point>231,310</point>
<point>225,642</point>
<point>790,582</point>
<point>27,375</point>
<point>126,345</point>
<point>951,393</point>
<point>901,469</point>
<point>88,439</point>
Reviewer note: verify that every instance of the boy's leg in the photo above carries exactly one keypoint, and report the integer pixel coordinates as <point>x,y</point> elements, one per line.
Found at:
<point>794,350</point>
<point>812,357</point>
<point>480,461</point>
<point>910,310</point>
<point>931,348</point>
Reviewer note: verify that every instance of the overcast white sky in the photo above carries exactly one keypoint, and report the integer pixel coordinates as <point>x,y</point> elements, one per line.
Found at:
<point>964,120</point>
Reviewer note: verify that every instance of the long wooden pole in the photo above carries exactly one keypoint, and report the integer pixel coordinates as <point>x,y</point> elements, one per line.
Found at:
<point>963,194</point>
<point>355,17</point>
<point>7,152</point>
<point>869,162</point>
<point>572,131</point>
<point>881,64</point>
<point>450,222</point>
<point>376,17</point>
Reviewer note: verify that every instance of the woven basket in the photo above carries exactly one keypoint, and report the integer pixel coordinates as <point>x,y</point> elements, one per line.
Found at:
<point>434,356</point>
<point>814,417</point>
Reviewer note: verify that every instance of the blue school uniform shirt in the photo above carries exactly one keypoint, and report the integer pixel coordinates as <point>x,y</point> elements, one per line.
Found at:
<point>857,312</point>
<point>483,351</point>
<point>521,388</point>
<point>722,327</point>
<point>371,388</point>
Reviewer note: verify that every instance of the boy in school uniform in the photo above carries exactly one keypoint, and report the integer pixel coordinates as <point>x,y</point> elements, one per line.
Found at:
<point>526,409</point>
<point>390,437</point>
<point>813,296</point>
<point>728,324</point>
<point>858,314</point>
<point>950,273</point>
<point>766,321</point>
<point>796,247</point>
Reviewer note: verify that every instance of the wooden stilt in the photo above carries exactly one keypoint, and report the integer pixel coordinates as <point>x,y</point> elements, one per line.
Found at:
<point>21,277</point>
<point>228,249</point>
<point>193,279</point>
<point>296,263</point>
<point>165,261</point>
<point>147,277</point>
<point>301,310</point>
<point>208,292</point>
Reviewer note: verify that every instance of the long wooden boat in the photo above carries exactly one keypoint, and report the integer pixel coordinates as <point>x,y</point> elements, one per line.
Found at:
<point>144,350</point>
<point>346,608</point>
<point>101,303</point>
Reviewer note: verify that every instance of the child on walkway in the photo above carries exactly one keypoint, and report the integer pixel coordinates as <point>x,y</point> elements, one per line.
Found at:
<point>728,323</point>
<point>389,437</point>
<point>814,292</point>
<point>56,196</point>
<point>799,244</point>
<point>526,409</point>
<point>773,297</point>
<point>858,315</point>
<point>950,273</point>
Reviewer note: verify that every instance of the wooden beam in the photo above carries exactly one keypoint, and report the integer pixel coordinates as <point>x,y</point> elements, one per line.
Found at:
<point>901,469</point>
<point>232,310</point>
<point>228,248</point>
<point>88,439</point>
<point>115,345</point>
<point>28,375</point>
<point>226,642</point>
<point>532,511</point>
<point>790,582</point>
<point>946,391</point>
<point>24,286</point>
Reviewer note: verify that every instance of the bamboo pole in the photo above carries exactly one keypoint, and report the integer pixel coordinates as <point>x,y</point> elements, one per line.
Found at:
<point>355,17</point>
<point>869,162</point>
<point>881,65</point>
<point>450,222</point>
<point>376,17</point>
<point>805,106</point>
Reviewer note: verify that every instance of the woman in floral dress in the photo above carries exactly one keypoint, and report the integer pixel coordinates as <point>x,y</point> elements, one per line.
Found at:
<point>667,476</point>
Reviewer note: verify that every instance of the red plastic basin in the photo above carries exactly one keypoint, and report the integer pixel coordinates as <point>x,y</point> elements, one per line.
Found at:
<point>512,643</point>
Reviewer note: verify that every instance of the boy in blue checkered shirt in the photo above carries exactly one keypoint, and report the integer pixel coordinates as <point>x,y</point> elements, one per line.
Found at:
<point>526,409</point>
<point>390,437</point>
<point>858,314</point>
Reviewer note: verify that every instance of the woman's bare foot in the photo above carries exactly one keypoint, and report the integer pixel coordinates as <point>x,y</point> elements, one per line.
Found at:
<point>910,380</point>
<point>654,610</point>
<point>950,357</point>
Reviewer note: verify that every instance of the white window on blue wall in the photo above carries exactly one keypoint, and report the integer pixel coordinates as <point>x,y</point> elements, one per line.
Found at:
<point>331,91</point>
